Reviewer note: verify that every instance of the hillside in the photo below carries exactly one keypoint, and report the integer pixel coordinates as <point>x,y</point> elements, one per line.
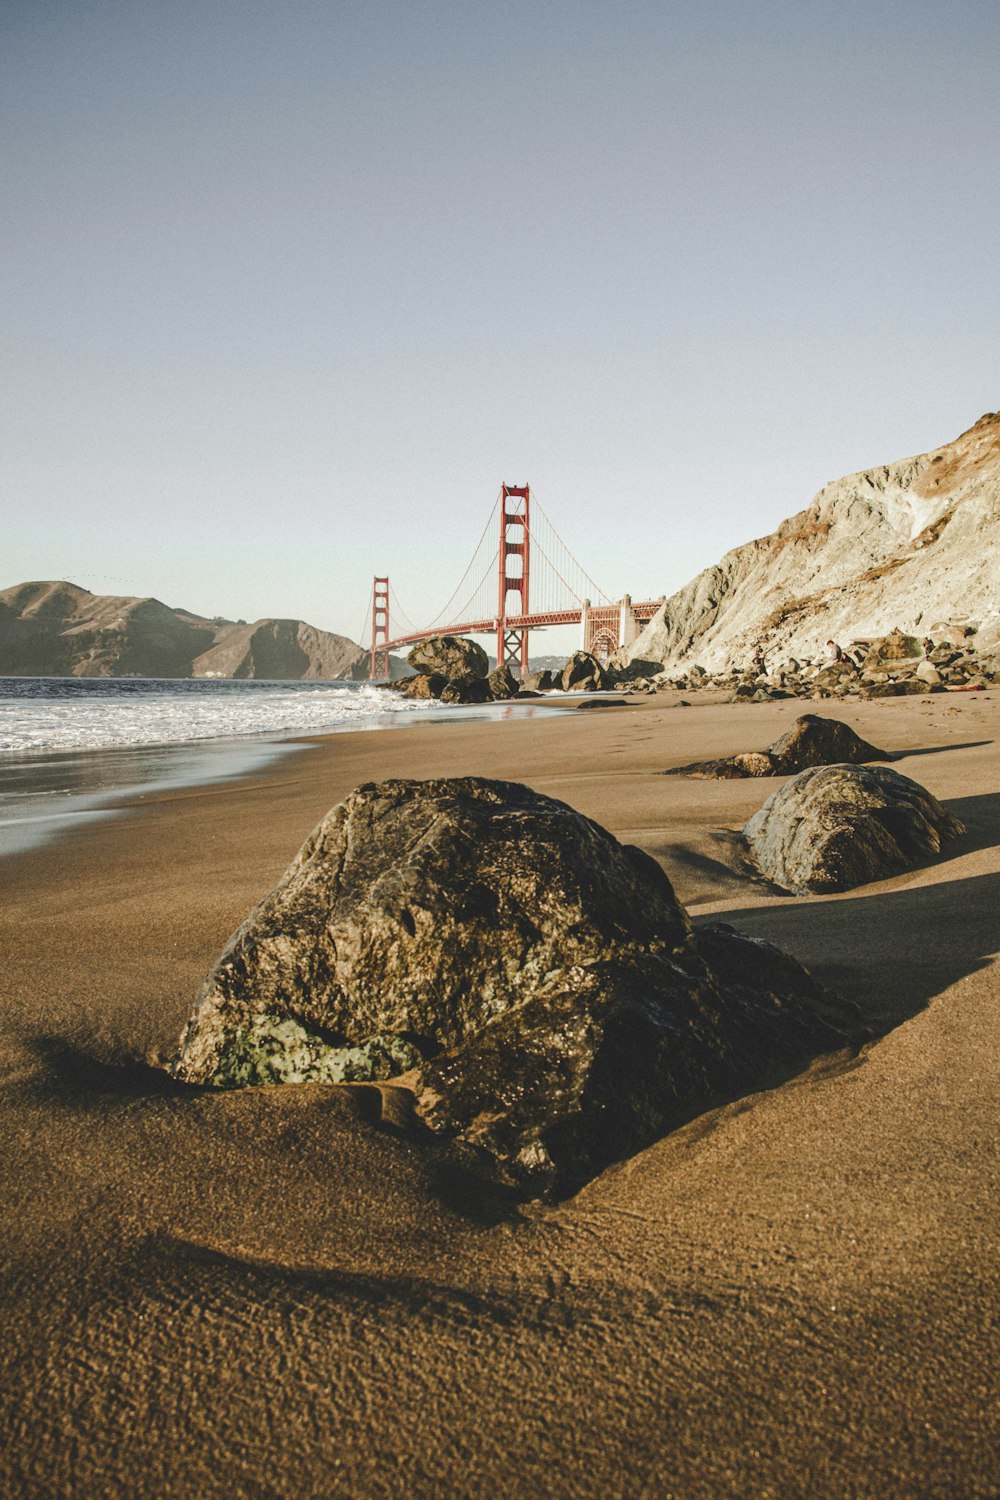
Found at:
<point>908,545</point>
<point>61,630</point>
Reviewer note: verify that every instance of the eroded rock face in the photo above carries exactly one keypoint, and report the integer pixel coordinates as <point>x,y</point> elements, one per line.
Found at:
<point>535,982</point>
<point>450,656</point>
<point>811,741</point>
<point>895,546</point>
<point>835,827</point>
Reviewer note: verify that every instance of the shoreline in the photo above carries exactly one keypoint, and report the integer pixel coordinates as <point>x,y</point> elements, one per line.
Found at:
<point>94,782</point>
<point>794,1292</point>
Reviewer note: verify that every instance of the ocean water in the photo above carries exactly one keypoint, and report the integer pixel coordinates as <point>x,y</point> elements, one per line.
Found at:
<point>72,713</point>
<point>69,746</point>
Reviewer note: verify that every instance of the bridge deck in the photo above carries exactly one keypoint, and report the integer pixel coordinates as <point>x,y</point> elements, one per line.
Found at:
<point>643,612</point>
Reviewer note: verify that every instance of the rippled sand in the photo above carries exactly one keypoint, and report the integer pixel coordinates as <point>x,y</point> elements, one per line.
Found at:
<point>278,1293</point>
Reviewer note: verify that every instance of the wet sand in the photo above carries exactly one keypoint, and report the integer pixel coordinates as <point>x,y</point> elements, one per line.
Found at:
<point>273,1293</point>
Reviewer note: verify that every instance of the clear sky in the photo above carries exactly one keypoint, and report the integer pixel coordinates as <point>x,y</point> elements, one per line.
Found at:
<point>291,287</point>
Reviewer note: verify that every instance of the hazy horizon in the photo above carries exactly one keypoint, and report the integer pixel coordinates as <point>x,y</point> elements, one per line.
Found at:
<point>291,290</point>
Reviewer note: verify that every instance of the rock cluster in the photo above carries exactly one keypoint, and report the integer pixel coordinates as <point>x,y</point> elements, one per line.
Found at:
<point>887,666</point>
<point>534,982</point>
<point>456,670</point>
<point>811,741</point>
<point>835,827</point>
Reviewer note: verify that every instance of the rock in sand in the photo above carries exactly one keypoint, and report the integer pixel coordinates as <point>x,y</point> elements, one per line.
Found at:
<point>534,982</point>
<point>811,741</point>
<point>835,827</point>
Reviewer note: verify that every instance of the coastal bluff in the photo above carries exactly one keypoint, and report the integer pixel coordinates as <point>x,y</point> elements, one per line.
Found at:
<point>57,629</point>
<point>902,546</point>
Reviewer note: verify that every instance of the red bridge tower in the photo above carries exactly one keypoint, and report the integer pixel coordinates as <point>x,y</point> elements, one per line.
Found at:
<point>379,666</point>
<point>515,561</point>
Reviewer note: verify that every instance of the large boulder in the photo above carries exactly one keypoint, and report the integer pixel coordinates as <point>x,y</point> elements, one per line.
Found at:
<point>835,827</point>
<point>534,982</point>
<point>811,741</point>
<point>450,656</point>
<point>583,673</point>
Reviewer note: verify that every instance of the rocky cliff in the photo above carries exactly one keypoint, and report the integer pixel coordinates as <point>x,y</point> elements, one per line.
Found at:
<point>61,630</point>
<point>907,545</point>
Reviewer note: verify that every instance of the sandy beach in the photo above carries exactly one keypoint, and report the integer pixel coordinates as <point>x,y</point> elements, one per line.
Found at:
<point>274,1292</point>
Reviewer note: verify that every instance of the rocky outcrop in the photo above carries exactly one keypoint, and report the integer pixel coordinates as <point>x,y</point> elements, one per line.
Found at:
<point>61,630</point>
<point>904,545</point>
<point>811,741</point>
<point>534,982</point>
<point>873,668</point>
<point>835,827</point>
<point>583,673</point>
<point>453,657</point>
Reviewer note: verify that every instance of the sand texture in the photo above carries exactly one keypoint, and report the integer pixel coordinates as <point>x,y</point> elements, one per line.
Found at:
<point>281,1292</point>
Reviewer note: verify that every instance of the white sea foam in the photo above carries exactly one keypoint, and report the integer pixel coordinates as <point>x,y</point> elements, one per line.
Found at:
<point>69,714</point>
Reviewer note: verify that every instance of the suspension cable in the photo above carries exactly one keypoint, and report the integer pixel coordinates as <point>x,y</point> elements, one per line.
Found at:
<point>366,625</point>
<point>598,591</point>
<point>401,614</point>
<point>468,570</point>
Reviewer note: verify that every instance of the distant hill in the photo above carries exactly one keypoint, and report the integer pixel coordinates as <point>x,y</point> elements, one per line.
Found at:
<point>61,630</point>
<point>910,544</point>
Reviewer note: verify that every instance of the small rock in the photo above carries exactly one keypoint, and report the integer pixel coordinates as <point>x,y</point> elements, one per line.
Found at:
<point>424,685</point>
<point>503,683</point>
<point>467,690</point>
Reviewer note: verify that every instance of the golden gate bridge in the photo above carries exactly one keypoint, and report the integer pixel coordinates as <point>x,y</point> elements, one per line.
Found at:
<point>521,577</point>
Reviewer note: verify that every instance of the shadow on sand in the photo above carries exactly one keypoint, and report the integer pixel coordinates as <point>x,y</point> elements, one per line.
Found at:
<point>890,953</point>
<point>937,749</point>
<point>72,1075</point>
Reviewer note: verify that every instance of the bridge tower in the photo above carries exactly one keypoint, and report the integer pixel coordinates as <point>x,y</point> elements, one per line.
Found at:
<point>515,561</point>
<point>378,670</point>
